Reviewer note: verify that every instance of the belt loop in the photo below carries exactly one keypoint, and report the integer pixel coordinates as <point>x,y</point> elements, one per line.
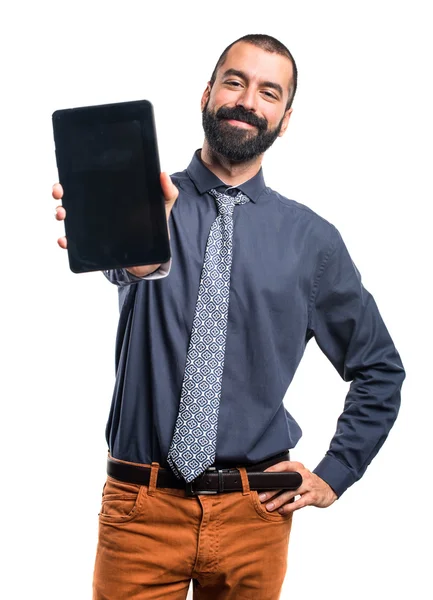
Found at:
<point>245,482</point>
<point>220,481</point>
<point>153,479</point>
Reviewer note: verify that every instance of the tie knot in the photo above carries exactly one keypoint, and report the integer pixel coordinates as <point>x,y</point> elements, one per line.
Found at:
<point>226,203</point>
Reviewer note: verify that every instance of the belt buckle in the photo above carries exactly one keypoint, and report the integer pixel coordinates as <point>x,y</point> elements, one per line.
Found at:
<point>191,490</point>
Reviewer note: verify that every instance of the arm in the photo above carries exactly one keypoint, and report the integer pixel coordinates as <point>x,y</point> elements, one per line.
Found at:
<point>350,331</point>
<point>348,328</point>
<point>122,277</point>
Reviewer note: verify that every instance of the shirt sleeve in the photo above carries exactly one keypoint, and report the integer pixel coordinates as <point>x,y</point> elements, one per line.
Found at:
<point>349,329</point>
<point>122,277</point>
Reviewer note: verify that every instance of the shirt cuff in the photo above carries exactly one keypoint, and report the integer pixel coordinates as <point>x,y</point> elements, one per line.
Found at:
<point>336,475</point>
<point>161,272</point>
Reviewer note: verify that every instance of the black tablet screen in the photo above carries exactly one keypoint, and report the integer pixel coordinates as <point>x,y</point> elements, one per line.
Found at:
<point>108,165</point>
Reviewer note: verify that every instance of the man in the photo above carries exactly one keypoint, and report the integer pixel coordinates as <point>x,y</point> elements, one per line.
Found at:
<point>207,346</point>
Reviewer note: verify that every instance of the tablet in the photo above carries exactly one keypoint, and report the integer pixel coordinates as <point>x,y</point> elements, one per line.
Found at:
<point>108,164</point>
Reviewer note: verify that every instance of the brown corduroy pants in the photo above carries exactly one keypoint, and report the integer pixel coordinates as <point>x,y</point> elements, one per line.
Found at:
<point>153,541</point>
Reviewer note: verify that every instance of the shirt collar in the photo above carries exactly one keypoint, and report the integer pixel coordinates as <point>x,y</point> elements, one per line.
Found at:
<point>204,180</point>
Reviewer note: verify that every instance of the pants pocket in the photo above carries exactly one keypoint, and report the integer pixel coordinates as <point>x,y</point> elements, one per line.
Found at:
<point>121,502</point>
<point>263,512</point>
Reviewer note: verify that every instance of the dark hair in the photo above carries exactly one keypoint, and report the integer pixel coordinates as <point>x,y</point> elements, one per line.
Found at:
<point>269,44</point>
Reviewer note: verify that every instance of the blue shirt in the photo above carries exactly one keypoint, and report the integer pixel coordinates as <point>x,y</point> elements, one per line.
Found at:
<point>292,279</point>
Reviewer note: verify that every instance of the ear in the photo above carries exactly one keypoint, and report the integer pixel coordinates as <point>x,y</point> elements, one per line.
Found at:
<point>286,120</point>
<point>205,96</point>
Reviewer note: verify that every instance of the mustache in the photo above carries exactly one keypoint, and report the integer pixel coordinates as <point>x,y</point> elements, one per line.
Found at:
<point>239,113</point>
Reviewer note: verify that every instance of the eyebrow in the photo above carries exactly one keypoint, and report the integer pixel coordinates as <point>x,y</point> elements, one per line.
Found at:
<point>270,84</point>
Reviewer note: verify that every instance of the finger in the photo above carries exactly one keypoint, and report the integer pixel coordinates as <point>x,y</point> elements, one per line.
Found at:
<point>267,495</point>
<point>57,191</point>
<point>62,243</point>
<point>60,213</point>
<point>263,496</point>
<point>303,501</point>
<point>280,500</point>
<point>169,190</point>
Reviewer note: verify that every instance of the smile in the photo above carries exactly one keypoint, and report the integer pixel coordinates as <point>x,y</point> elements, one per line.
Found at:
<point>240,124</point>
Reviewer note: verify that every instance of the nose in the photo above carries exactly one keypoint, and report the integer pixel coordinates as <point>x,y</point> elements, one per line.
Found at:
<point>247,99</point>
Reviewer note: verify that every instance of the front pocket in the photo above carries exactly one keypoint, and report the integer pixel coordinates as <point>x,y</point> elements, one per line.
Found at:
<point>261,510</point>
<point>121,501</point>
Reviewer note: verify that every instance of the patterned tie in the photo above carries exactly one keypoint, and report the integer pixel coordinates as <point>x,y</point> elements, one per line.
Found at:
<point>194,440</point>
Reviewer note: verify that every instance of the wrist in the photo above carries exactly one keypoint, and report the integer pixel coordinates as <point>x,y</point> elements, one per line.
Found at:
<point>143,270</point>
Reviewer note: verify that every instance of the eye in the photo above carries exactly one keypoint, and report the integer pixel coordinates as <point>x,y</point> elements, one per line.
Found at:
<point>234,83</point>
<point>270,95</point>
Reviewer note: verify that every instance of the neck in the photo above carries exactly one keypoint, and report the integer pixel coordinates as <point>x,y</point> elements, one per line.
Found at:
<point>231,173</point>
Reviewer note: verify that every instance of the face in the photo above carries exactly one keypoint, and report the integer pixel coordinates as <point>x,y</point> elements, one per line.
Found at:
<point>245,109</point>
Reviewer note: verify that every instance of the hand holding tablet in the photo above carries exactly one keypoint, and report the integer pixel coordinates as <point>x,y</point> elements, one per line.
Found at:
<point>108,166</point>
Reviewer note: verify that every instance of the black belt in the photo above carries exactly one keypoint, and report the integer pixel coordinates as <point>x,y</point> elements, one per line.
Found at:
<point>213,481</point>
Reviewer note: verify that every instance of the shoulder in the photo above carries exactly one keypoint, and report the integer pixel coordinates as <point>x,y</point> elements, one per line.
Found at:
<point>296,207</point>
<point>301,216</point>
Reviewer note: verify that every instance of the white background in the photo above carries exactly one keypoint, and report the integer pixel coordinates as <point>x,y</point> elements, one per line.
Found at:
<point>357,151</point>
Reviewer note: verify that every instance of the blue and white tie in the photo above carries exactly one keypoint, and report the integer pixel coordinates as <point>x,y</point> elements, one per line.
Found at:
<point>192,449</point>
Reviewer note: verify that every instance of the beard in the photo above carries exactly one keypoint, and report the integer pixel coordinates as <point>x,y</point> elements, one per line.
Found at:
<point>234,143</point>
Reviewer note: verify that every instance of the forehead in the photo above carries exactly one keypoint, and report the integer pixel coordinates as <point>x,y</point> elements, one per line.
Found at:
<point>258,65</point>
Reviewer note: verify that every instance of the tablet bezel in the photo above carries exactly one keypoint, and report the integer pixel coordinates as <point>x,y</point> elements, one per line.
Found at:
<point>142,111</point>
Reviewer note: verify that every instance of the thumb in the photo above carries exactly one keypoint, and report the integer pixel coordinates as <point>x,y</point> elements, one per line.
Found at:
<point>169,190</point>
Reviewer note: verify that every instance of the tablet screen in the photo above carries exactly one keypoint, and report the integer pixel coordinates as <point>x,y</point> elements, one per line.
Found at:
<point>108,165</point>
